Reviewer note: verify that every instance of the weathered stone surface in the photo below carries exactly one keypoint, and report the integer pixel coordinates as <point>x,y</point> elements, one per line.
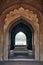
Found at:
<point>29,11</point>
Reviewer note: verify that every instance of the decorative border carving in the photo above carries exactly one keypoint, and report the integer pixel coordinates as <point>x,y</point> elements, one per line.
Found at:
<point>21,12</point>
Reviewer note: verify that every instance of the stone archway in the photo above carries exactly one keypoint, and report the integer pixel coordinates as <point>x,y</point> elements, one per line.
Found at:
<point>21,25</point>
<point>31,18</point>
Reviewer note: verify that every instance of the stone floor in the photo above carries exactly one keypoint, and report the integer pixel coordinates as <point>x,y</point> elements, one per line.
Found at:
<point>21,63</point>
<point>20,59</point>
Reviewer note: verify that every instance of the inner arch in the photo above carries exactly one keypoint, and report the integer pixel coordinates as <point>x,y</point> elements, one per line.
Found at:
<point>26,28</point>
<point>21,27</point>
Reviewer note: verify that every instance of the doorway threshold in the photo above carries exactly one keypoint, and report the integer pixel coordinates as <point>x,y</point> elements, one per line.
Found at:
<point>21,59</point>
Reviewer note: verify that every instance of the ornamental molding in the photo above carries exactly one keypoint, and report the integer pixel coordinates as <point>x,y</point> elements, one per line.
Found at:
<point>21,12</point>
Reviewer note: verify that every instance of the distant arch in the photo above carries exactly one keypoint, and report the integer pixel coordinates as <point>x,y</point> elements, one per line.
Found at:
<point>20,38</point>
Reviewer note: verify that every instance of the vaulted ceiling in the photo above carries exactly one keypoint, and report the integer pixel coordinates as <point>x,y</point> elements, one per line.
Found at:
<point>4,4</point>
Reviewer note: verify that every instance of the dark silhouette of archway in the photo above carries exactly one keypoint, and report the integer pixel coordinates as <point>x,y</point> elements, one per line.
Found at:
<point>21,25</point>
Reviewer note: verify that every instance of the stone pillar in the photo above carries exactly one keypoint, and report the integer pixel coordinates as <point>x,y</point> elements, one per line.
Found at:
<point>6,45</point>
<point>1,43</point>
<point>1,40</point>
<point>41,46</point>
<point>0,46</point>
<point>33,46</point>
<point>41,39</point>
<point>36,41</point>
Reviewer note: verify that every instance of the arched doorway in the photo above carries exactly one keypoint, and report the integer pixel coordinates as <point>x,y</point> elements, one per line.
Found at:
<point>31,21</point>
<point>27,32</point>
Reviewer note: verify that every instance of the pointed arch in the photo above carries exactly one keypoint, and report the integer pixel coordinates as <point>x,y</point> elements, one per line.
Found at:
<point>31,18</point>
<point>20,38</point>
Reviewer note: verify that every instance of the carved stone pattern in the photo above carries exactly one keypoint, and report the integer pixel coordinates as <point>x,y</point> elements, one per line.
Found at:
<point>21,12</point>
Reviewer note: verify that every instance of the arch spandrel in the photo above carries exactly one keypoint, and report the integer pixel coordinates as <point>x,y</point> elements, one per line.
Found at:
<point>21,13</point>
